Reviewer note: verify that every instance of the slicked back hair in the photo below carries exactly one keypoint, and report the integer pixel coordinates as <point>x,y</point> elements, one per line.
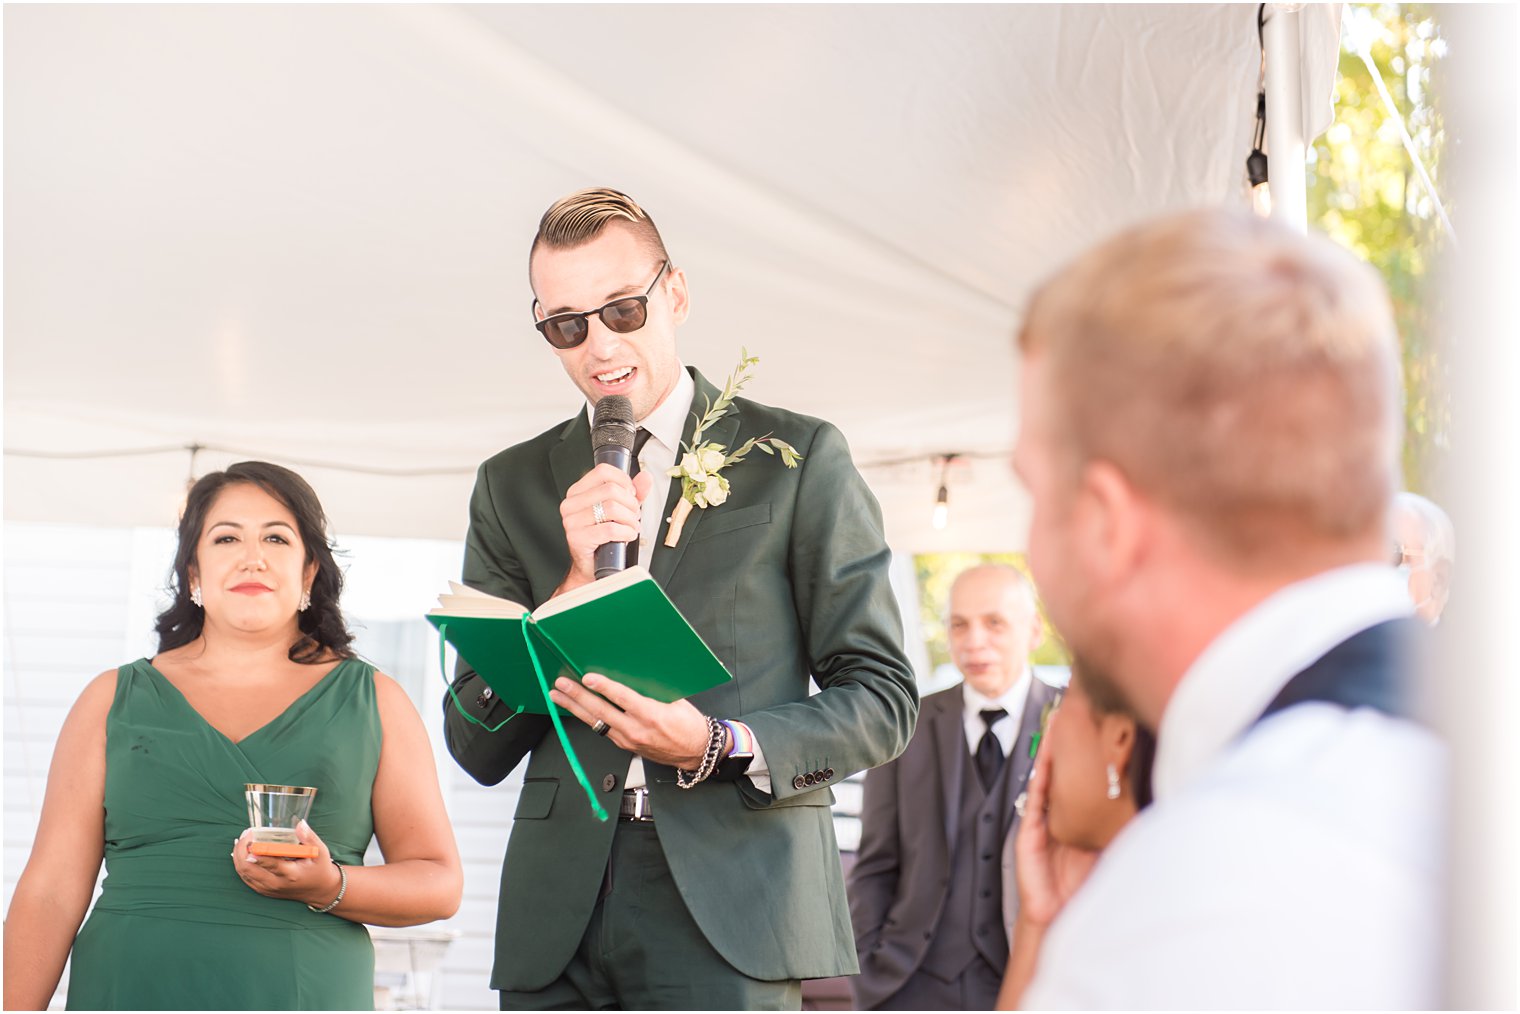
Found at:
<point>582,216</point>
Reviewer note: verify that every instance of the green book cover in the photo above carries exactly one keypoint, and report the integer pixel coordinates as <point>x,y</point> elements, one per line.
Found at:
<point>624,627</point>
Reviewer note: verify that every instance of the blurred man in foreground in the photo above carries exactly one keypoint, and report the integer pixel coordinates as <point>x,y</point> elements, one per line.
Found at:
<point>1210,432</point>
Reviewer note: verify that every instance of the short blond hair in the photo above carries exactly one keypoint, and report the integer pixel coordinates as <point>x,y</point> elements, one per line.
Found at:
<point>1242,374</point>
<point>582,216</point>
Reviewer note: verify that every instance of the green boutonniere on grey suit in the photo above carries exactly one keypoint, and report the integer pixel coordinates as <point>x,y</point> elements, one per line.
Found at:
<point>788,578</point>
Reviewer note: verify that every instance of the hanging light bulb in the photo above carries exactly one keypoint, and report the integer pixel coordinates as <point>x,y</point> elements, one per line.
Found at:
<point>941,516</point>
<point>1256,162</point>
<point>1261,200</point>
<point>190,479</point>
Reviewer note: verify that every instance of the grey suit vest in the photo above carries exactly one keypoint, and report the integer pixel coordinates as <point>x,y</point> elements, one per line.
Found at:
<point>971,922</point>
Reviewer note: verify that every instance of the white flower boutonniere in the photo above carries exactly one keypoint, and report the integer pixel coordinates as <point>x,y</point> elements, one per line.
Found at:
<point>701,464</point>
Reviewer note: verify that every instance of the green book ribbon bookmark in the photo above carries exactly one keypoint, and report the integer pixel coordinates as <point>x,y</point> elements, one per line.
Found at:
<point>443,669</point>
<point>559,728</point>
<point>543,686</point>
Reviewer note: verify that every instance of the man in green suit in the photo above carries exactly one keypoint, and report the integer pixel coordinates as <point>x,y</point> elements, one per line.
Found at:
<point>715,887</point>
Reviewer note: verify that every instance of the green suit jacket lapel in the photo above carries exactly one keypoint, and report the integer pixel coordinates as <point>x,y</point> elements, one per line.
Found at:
<point>571,457</point>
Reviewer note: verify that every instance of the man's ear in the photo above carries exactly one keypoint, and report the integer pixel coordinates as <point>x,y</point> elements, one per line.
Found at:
<point>1116,521</point>
<point>680,296</point>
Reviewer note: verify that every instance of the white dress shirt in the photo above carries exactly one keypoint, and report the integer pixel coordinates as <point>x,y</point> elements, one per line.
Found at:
<point>665,426</point>
<point>1296,863</point>
<point>1005,728</point>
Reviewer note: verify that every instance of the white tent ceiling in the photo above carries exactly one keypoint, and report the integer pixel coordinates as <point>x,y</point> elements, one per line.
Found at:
<point>300,232</point>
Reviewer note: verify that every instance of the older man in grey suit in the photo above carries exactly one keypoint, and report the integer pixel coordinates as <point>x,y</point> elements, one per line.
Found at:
<point>927,897</point>
<point>1425,553</point>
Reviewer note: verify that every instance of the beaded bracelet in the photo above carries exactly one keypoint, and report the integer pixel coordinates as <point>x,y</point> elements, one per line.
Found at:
<point>342,888</point>
<point>716,734</point>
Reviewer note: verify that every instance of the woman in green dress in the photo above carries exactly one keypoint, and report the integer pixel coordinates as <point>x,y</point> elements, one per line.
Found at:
<point>254,681</point>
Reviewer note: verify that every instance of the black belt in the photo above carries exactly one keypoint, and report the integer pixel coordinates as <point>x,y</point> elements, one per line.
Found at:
<point>635,805</point>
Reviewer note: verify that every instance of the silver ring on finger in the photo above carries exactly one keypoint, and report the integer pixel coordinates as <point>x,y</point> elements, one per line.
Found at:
<point>598,513</point>
<point>600,728</point>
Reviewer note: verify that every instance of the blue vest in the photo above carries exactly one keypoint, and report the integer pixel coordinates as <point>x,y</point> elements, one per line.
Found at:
<point>1372,669</point>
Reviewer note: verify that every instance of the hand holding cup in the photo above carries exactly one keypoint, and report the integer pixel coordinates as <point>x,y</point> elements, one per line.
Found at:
<point>313,880</point>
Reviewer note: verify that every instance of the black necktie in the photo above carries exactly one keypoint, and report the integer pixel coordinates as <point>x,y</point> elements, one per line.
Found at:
<point>989,752</point>
<point>639,440</point>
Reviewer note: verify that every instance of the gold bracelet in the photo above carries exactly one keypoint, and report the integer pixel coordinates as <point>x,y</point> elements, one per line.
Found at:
<point>342,889</point>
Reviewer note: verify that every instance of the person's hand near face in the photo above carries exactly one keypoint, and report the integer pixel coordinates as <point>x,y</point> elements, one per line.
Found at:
<point>1081,793</point>
<point>1049,871</point>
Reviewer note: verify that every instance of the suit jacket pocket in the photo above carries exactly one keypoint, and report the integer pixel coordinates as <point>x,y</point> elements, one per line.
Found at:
<point>536,799</point>
<point>718,523</point>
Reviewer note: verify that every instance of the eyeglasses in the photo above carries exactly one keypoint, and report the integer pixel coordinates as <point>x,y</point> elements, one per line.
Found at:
<point>622,315</point>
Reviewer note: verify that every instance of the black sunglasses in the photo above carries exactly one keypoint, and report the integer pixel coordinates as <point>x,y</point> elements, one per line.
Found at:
<point>622,315</point>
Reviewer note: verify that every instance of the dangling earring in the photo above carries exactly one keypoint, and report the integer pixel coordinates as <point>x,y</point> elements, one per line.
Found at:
<point>305,601</point>
<point>1113,783</point>
<point>195,594</point>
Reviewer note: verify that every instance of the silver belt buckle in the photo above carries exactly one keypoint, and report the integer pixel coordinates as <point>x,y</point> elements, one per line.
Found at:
<point>639,808</point>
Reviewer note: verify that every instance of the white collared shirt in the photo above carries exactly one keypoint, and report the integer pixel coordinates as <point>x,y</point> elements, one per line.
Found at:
<point>1005,728</point>
<point>1292,863</point>
<point>665,425</point>
<point>1234,679</point>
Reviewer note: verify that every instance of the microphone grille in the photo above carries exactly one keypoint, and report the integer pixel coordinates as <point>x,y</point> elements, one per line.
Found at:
<point>612,422</point>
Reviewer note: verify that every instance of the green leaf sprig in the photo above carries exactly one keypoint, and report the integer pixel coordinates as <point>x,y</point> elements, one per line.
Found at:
<point>701,484</point>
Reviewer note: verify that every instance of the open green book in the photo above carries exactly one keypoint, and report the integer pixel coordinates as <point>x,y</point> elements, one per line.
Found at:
<point>623,626</point>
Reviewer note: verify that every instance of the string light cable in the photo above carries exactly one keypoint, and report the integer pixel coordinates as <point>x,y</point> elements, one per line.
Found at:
<point>195,448</point>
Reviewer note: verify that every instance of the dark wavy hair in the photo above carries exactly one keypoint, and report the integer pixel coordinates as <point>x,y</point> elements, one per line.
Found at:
<point>1108,699</point>
<point>323,632</point>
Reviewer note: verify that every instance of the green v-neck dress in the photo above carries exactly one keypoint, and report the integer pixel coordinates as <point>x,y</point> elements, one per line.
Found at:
<point>174,928</point>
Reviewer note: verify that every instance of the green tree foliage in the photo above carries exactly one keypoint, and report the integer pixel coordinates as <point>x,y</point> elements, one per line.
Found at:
<point>1365,193</point>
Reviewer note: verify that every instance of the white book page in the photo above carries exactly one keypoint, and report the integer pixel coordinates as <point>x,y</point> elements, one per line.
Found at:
<point>461,600</point>
<point>593,591</point>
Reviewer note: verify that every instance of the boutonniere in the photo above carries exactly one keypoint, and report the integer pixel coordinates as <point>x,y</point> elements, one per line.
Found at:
<point>701,466</point>
<point>1034,741</point>
<point>1034,746</point>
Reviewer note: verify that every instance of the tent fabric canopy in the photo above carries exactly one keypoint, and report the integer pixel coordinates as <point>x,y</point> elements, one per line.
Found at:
<point>300,233</point>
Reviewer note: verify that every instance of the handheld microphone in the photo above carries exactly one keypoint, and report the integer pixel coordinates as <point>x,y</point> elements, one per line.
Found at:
<point>612,431</point>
